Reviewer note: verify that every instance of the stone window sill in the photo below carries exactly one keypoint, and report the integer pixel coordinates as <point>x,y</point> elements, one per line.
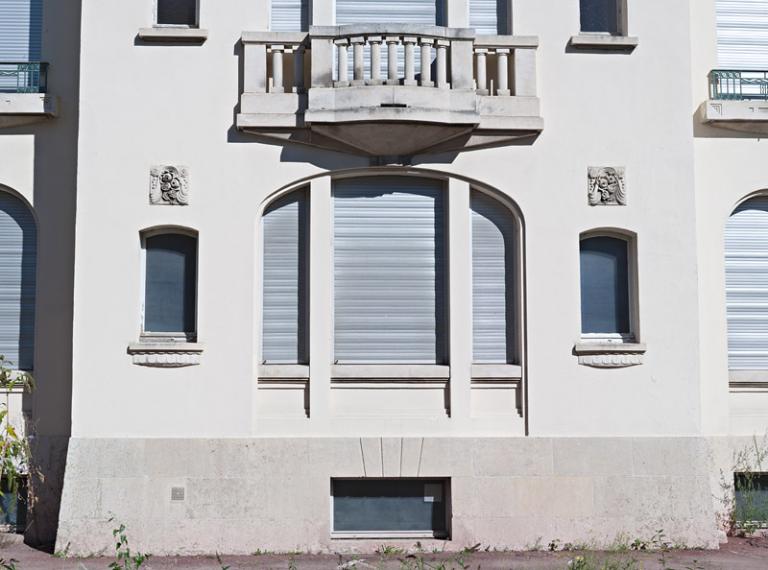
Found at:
<point>496,372</point>
<point>609,354</point>
<point>173,35</point>
<point>166,354</point>
<point>286,371</point>
<point>389,371</point>
<point>603,42</point>
<point>748,380</point>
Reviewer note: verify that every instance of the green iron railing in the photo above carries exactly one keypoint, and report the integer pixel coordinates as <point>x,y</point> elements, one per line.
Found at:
<point>23,77</point>
<point>738,85</point>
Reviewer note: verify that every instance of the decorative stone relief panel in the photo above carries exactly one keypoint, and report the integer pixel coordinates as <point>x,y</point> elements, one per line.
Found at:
<point>169,186</point>
<point>607,186</point>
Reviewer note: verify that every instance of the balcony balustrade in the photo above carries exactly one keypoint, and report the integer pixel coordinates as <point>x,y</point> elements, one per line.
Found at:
<point>361,88</point>
<point>738,100</point>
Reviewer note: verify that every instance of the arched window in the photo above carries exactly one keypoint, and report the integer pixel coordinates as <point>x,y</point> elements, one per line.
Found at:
<point>746,283</point>
<point>606,303</point>
<point>389,270</point>
<point>170,284</point>
<point>18,262</point>
<point>494,277</point>
<point>284,287</point>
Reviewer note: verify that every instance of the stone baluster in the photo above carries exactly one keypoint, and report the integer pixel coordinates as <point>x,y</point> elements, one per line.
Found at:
<point>426,62</point>
<point>410,61</point>
<point>277,68</point>
<point>442,64</point>
<point>358,44</point>
<point>343,76</point>
<point>482,79</point>
<point>375,43</point>
<point>392,78</point>
<point>502,62</point>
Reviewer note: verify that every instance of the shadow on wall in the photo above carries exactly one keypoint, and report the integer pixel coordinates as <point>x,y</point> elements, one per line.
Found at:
<point>54,202</point>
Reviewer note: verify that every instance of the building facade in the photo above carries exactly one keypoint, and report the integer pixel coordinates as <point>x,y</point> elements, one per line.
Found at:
<point>344,272</point>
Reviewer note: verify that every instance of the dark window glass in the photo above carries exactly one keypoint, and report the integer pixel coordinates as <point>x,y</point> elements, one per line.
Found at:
<point>179,12</point>
<point>390,505</point>
<point>600,16</point>
<point>169,304</point>
<point>751,497</point>
<point>604,286</point>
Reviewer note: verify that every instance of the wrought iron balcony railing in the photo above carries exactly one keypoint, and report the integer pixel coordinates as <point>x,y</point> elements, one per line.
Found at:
<point>23,77</point>
<point>738,85</point>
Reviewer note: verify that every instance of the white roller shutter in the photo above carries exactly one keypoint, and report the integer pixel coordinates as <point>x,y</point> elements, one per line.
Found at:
<point>742,34</point>
<point>422,12</point>
<point>289,16</point>
<point>284,334</point>
<point>746,276</point>
<point>18,259</point>
<point>389,271</point>
<point>21,23</point>
<point>493,275</point>
<point>488,16</point>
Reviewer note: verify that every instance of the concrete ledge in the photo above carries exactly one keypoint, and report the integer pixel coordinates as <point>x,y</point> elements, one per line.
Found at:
<point>603,42</point>
<point>22,108</point>
<point>283,371</point>
<point>743,116</point>
<point>173,35</point>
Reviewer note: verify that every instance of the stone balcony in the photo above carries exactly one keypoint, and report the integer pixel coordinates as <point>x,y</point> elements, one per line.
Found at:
<point>738,101</point>
<point>368,85</point>
<point>23,97</point>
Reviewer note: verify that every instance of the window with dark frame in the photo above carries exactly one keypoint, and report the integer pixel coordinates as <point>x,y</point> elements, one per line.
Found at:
<point>382,506</point>
<point>600,16</point>
<point>605,303</point>
<point>177,13</point>
<point>170,285</point>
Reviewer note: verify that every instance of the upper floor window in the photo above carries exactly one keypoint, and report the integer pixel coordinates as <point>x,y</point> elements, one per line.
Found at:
<point>602,16</point>
<point>390,271</point>
<point>606,299</point>
<point>742,36</point>
<point>21,25</point>
<point>177,13</point>
<point>490,17</point>
<point>170,292</point>
<point>289,16</point>
<point>18,261</point>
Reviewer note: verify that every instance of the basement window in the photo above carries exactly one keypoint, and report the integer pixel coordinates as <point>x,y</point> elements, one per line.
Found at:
<point>390,508</point>
<point>751,490</point>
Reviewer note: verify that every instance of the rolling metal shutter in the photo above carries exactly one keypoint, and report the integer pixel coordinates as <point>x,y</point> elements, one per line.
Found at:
<point>284,335</point>
<point>493,274</point>
<point>742,34</point>
<point>289,16</point>
<point>488,16</point>
<point>389,271</point>
<point>746,283</point>
<point>422,12</point>
<point>18,261</point>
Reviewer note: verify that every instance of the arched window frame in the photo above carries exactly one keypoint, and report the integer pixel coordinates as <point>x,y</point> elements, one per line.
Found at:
<point>144,235</point>
<point>633,336</point>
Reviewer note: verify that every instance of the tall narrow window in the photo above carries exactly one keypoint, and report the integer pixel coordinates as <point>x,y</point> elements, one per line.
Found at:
<point>746,283</point>
<point>605,297</point>
<point>490,16</point>
<point>289,16</point>
<point>493,280</point>
<point>389,268</point>
<point>18,259</point>
<point>600,16</point>
<point>177,13</point>
<point>284,335</point>
<point>170,285</point>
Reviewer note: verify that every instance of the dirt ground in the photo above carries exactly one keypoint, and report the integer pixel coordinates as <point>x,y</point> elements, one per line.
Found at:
<point>737,554</point>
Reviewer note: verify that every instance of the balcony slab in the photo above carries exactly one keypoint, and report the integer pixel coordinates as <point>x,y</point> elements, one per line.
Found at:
<point>24,108</point>
<point>744,116</point>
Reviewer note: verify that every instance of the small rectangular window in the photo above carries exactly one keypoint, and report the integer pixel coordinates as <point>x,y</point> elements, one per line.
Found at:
<point>751,490</point>
<point>170,285</point>
<point>177,13</point>
<point>605,308</point>
<point>600,16</point>
<point>389,507</point>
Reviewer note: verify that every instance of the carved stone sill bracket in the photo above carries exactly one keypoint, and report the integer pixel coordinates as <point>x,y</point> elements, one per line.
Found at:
<point>609,355</point>
<point>166,354</point>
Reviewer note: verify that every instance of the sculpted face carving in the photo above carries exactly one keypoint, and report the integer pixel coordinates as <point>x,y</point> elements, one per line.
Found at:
<point>606,186</point>
<point>169,186</point>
